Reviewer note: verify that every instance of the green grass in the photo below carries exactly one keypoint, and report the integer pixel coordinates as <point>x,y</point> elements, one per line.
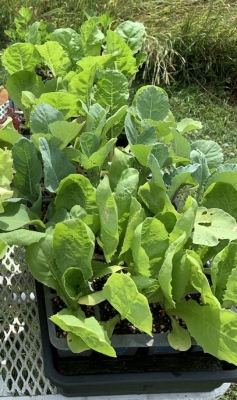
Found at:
<point>212,108</point>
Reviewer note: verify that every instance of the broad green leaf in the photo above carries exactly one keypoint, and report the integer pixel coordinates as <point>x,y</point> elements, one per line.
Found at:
<point>76,190</point>
<point>141,259</point>
<point>179,338</point>
<point>181,146</point>
<point>109,325</point>
<point>76,344</point>
<point>89,143</point>
<point>157,177</point>
<point>214,329</point>
<point>121,292</point>
<point>15,216</point>
<point>92,220</point>
<point>213,225</point>
<point>24,81</point>
<point>143,282</point>
<point>70,40</point>
<point>52,140</point>
<point>168,218</point>
<point>153,292</point>
<point>230,295</point>
<point>73,244</point>
<point>54,57</point>
<point>160,152</point>
<point>132,33</point>
<point>102,61</point>
<point>56,165</point>
<point>81,85</point>
<point>165,273</point>
<point>100,269</point>
<point>148,245</point>
<point>113,121</point>
<point>95,119</point>
<point>97,159</point>
<point>92,299</point>
<point>152,103</point>
<point>202,173</point>
<point>41,263</point>
<point>187,125</point>
<point>120,162</point>
<point>221,269</point>
<point>43,116</point>
<point>9,136</point>
<point>108,213</point>
<point>3,248</point>
<point>180,279</point>
<point>20,56</point>
<point>54,217</point>
<point>226,173</point>
<point>163,129</point>
<point>33,36</point>
<point>199,280</point>
<point>179,177</point>
<point>211,150</point>
<point>88,329</point>
<point>25,15</point>
<point>105,19</point>
<point>27,166</point>
<point>141,57</point>
<point>65,131</point>
<point>186,220</point>
<point>221,195</point>
<point>154,197</point>
<point>92,36</point>
<point>64,102</point>
<point>112,90</point>
<point>142,133</point>
<point>173,159</point>
<point>124,191</point>
<point>66,80</point>
<point>21,237</point>
<point>74,283</point>
<point>141,153</point>
<point>208,253</point>
<point>77,212</point>
<point>28,99</point>
<point>125,61</point>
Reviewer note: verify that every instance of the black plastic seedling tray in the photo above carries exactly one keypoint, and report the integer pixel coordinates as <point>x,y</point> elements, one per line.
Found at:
<point>106,381</point>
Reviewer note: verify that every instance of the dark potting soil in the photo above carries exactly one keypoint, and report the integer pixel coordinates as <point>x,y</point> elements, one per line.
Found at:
<point>140,362</point>
<point>161,321</point>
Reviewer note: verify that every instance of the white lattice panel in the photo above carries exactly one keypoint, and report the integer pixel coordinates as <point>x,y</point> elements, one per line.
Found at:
<point>20,352</point>
<point>21,371</point>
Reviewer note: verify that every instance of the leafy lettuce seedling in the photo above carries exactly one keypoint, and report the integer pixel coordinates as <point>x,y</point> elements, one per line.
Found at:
<point>147,216</point>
